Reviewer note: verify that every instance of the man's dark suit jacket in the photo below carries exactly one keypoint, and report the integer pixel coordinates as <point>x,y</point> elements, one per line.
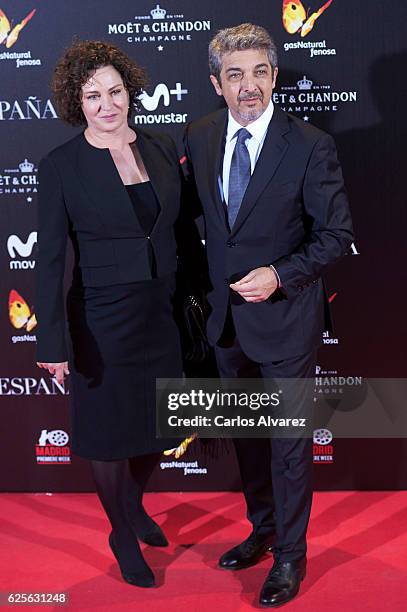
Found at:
<point>294,215</point>
<point>82,196</point>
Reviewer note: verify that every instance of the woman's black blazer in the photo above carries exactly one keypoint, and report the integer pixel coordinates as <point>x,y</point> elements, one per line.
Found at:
<point>82,196</point>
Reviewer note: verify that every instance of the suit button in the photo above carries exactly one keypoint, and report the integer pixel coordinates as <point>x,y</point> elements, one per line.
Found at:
<point>148,237</point>
<point>230,244</point>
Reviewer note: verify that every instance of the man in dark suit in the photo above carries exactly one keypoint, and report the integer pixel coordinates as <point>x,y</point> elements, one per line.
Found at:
<point>276,215</point>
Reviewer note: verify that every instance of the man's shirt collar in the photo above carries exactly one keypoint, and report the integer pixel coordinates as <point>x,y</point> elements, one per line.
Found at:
<point>257,128</point>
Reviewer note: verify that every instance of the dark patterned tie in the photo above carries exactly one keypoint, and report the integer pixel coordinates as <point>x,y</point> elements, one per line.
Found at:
<point>239,175</point>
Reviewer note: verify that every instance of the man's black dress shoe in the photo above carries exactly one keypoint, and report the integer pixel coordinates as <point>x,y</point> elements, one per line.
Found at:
<point>248,553</point>
<point>143,578</point>
<point>283,583</point>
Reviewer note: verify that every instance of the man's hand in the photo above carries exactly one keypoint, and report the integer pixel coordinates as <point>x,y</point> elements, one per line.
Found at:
<point>256,286</point>
<point>59,370</point>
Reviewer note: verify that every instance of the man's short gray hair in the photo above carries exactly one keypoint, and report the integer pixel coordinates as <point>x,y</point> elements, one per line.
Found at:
<point>239,38</point>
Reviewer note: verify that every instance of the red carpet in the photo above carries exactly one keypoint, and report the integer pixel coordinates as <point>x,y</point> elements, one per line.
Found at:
<point>357,553</point>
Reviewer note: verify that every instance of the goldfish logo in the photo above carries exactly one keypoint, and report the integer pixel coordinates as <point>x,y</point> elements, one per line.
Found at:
<point>296,19</point>
<point>9,35</point>
<point>20,314</point>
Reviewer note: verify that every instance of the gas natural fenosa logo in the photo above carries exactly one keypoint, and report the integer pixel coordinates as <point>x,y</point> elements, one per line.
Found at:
<point>9,34</point>
<point>21,317</point>
<point>297,21</point>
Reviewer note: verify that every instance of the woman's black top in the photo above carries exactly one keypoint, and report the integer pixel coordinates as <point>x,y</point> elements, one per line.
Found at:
<point>147,209</point>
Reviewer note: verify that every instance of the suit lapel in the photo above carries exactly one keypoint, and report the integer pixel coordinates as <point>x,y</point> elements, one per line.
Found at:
<point>216,142</point>
<point>105,188</point>
<point>152,159</point>
<point>274,148</point>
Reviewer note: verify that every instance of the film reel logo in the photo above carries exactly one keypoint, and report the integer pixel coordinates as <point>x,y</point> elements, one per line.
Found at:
<point>322,448</point>
<point>322,436</point>
<point>56,437</point>
<point>52,448</point>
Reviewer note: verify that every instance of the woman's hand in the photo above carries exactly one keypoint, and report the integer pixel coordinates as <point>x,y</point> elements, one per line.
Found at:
<point>59,370</point>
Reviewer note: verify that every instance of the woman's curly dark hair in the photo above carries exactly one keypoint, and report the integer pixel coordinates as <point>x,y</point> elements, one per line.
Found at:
<point>78,63</point>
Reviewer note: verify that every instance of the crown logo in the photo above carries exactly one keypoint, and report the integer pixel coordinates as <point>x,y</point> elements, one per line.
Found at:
<point>158,12</point>
<point>26,166</point>
<point>304,83</point>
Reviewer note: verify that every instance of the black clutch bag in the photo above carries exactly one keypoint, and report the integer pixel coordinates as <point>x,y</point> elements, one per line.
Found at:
<point>197,347</point>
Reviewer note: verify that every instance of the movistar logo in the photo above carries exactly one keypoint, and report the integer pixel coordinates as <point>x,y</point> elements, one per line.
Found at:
<point>161,91</point>
<point>16,246</point>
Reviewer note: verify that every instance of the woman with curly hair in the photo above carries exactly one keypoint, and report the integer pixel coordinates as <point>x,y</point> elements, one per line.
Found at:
<point>115,193</point>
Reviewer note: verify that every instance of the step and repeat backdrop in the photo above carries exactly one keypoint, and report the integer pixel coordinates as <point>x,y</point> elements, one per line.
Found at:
<point>342,68</point>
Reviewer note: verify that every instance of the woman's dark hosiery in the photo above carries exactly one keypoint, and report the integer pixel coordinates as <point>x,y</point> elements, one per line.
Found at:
<point>139,471</point>
<point>112,483</point>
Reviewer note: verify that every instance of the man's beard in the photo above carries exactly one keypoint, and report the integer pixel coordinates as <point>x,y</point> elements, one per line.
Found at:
<point>250,114</point>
